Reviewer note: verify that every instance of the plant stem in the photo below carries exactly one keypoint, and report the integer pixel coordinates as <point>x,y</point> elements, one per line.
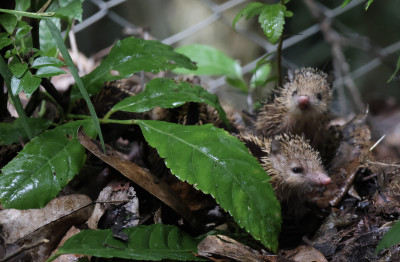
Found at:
<point>103,120</point>
<point>279,56</point>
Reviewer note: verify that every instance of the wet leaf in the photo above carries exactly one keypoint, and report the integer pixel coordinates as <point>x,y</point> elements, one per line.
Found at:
<point>11,132</point>
<point>271,18</point>
<point>132,55</point>
<point>46,61</point>
<point>154,242</point>
<point>209,61</point>
<point>48,71</point>
<point>8,21</point>
<point>45,165</point>
<point>168,93</point>
<point>219,164</point>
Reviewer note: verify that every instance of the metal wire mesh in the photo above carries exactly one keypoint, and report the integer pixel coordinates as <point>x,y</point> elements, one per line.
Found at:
<point>105,10</point>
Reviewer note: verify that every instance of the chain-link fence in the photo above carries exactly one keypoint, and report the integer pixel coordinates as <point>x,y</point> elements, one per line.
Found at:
<point>329,29</point>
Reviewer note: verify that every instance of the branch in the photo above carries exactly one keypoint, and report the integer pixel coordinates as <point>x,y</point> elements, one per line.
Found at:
<point>341,67</point>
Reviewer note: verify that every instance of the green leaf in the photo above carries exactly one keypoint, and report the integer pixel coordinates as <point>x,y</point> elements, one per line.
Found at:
<point>18,69</point>
<point>154,242</point>
<point>368,4</point>
<point>260,76</point>
<point>238,83</point>
<point>45,165</point>
<point>395,71</point>
<point>390,238</point>
<point>23,30</point>
<point>345,2</point>
<point>46,61</point>
<point>47,43</point>
<point>4,40</point>
<point>219,164</point>
<point>48,71</point>
<point>249,11</point>
<point>272,19</point>
<point>168,93</point>
<point>132,55</point>
<point>22,5</point>
<point>8,21</point>
<point>69,10</point>
<point>29,83</point>
<point>209,61</point>
<point>7,75</point>
<point>11,132</point>
<point>74,72</point>
<point>16,86</point>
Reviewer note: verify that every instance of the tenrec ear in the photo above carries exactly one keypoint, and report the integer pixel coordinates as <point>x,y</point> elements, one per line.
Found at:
<point>275,147</point>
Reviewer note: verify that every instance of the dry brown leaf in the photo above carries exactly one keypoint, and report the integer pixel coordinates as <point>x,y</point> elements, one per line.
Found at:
<point>226,247</point>
<point>24,227</point>
<point>305,254</point>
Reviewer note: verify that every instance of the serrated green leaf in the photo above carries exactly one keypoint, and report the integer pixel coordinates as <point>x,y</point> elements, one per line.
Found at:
<point>46,61</point>
<point>48,71</point>
<point>18,69</point>
<point>22,5</point>
<point>249,11</point>
<point>260,76</point>
<point>45,165</point>
<point>154,242</point>
<point>12,132</point>
<point>47,43</point>
<point>22,30</point>
<point>391,238</point>
<point>219,164</point>
<point>395,71</point>
<point>209,61</point>
<point>8,21</point>
<point>168,93</point>
<point>132,55</point>
<point>272,19</point>
<point>238,83</point>
<point>29,83</point>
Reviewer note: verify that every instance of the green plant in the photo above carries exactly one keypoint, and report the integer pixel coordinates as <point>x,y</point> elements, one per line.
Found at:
<point>54,156</point>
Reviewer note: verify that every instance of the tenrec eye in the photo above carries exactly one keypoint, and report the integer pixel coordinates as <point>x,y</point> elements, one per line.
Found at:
<point>297,170</point>
<point>319,96</point>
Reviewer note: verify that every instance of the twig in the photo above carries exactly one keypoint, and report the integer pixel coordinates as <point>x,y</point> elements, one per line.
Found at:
<point>24,248</point>
<point>279,56</point>
<point>382,164</point>
<point>332,37</point>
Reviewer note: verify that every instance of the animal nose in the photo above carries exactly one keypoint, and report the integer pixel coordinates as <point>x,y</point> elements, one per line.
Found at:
<point>304,102</point>
<point>323,179</point>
